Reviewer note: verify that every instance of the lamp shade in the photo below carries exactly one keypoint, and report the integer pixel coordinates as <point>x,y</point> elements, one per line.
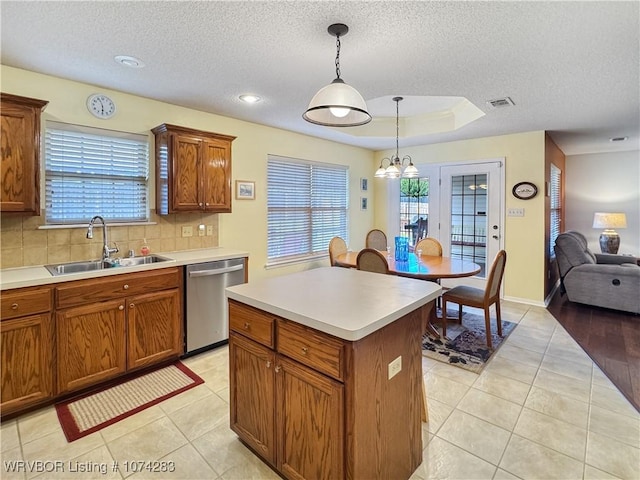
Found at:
<point>609,220</point>
<point>337,105</point>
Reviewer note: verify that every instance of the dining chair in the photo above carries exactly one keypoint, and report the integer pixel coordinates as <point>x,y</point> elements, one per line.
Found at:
<point>423,228</point>
<point>376,239</point>
<point>337,246</point>
<point>371,260</point>
<point>429,246</point>
<point>479,298</point>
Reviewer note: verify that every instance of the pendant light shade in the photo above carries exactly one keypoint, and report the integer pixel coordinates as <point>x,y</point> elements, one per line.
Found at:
<point>337,104</point>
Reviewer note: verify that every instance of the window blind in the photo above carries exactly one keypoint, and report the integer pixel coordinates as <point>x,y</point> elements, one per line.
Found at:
<point>307,206</point>
<point>555,195</point>
<point>91,171</point>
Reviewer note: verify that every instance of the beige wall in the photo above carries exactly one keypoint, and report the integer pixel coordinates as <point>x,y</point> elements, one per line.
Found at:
<point>245,228</point>
<point>523,236</point>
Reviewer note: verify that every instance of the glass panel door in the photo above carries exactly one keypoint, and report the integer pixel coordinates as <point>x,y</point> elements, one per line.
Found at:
<point>414,209</point>
<point>471,219</point>
<point>468,233</point>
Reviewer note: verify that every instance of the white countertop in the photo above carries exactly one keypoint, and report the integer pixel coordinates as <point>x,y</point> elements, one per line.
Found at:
<point>344,302</point>
<point>32,276</point>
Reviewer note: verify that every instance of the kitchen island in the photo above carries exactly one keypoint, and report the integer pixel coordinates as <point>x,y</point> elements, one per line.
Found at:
<point>326,372</point>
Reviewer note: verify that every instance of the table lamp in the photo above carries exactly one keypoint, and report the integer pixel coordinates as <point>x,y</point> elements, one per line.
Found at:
<point>609,239</point>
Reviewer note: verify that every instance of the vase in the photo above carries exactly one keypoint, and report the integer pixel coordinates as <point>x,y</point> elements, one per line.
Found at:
<point>402,249</point>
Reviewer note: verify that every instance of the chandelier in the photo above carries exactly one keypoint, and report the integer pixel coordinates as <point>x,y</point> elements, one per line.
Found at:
<point>337,104</point>
<point>396,168</point>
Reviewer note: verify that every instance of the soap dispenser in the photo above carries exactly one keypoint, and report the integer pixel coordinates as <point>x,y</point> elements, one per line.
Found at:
<point>144,250</point>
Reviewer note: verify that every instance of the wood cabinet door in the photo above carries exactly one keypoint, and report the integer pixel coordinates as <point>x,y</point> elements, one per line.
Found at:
<point>186,174</point>
<point>154,328</point>
<point>27,351</point>
<point>217,176</point>
<point>91,344</point>
<point>310,422</point>
<point>20,157</point>
<point>251,383</point>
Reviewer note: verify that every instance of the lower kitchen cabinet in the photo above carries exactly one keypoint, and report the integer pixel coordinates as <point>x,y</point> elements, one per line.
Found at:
<point>107,327</point>
<point>60,339</point>
<point>153,328</point>
<point>91,344</point>
<point>289,414</point>
<point>315,406</point>
<point>27,348</point>
<point>309,416</point>
<point>252,386</point>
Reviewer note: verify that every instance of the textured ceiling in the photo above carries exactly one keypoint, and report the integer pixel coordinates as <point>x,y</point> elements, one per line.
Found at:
<point>572,68</point>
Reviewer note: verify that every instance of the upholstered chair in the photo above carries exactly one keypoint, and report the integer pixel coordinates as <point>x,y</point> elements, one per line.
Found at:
<point>479,298</point>
<point>600,279</point>
<point>337,246</point>
<point>376,239</point>
<point>371,260</point>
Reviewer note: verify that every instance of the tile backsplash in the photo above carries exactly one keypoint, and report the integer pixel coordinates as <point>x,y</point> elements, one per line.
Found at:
<point>23,244</point>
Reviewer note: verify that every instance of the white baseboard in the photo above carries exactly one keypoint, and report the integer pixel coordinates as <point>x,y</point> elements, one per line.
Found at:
<point>526,301</point>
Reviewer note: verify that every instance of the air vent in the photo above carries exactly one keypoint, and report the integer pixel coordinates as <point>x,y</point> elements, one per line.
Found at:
<point>501,102</point>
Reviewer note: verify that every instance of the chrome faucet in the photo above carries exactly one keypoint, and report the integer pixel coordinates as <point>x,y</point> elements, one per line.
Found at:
<point>106,251</point>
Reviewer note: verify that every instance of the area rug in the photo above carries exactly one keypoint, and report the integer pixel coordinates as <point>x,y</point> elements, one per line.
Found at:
<point>466,343</point>
<point>81,416</point>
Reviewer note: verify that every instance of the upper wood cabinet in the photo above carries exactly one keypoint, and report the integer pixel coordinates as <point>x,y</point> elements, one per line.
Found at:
<point>193,170</point>
<point>20,154</point>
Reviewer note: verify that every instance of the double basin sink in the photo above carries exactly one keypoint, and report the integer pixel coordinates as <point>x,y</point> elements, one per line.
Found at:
<point>92,265</point>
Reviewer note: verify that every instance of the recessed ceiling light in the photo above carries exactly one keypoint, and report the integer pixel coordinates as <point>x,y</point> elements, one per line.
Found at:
<point>249,98</point>
<point>128,61</point>
<point>618,139</point>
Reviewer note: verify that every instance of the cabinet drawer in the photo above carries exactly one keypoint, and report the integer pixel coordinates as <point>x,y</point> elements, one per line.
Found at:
<point>25,302</point>
<point>251,323</point>
<point>312,348</point>
<point>107,288</point>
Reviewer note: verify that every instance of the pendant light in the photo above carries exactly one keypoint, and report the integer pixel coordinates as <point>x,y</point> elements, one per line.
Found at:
<point>394,170</point>
<point>337,104</point>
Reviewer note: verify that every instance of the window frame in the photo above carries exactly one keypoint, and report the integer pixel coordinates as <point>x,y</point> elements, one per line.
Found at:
<point>88,157</point>
<point>280,172</point>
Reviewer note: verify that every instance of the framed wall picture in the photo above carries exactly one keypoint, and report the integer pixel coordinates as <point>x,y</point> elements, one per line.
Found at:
<point>245,190</point>
<point>364,184</point>
<point>363,203</point>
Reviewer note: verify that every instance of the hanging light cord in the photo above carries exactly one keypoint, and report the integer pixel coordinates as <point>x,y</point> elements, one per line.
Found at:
<point>338,55</point>
<point>397,127</point>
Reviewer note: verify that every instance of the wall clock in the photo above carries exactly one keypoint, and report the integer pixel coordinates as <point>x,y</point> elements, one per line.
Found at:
<point>101,106</point>
<point>524,190</point>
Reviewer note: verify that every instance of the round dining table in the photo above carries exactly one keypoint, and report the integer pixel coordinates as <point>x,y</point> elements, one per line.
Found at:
<point>424,267</point>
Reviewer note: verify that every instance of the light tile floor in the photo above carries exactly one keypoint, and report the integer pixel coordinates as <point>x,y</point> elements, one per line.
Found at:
<point>539,410</point>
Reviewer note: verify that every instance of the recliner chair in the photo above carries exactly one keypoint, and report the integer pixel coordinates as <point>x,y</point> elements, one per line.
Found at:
<point>603,280</point>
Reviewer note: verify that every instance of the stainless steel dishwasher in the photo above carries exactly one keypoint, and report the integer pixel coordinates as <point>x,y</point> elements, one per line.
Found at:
<point>206,312</point>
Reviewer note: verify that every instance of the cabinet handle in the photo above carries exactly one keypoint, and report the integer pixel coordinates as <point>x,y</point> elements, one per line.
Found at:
<point>247,325</point>
<point>14,306</point>
<point>268,364</point>
<point>278,368</point>
<point>305,350</point>
<point>200,204</point>
<point>121,307</point>
<point>131,305</point>
<point>126,287</point>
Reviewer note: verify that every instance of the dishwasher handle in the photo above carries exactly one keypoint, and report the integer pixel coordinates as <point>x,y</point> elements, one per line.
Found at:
<point>215,271</point>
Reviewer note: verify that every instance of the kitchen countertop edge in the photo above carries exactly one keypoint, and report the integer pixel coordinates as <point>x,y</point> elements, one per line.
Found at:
<point>353,315</point>
<point>20,277</point>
